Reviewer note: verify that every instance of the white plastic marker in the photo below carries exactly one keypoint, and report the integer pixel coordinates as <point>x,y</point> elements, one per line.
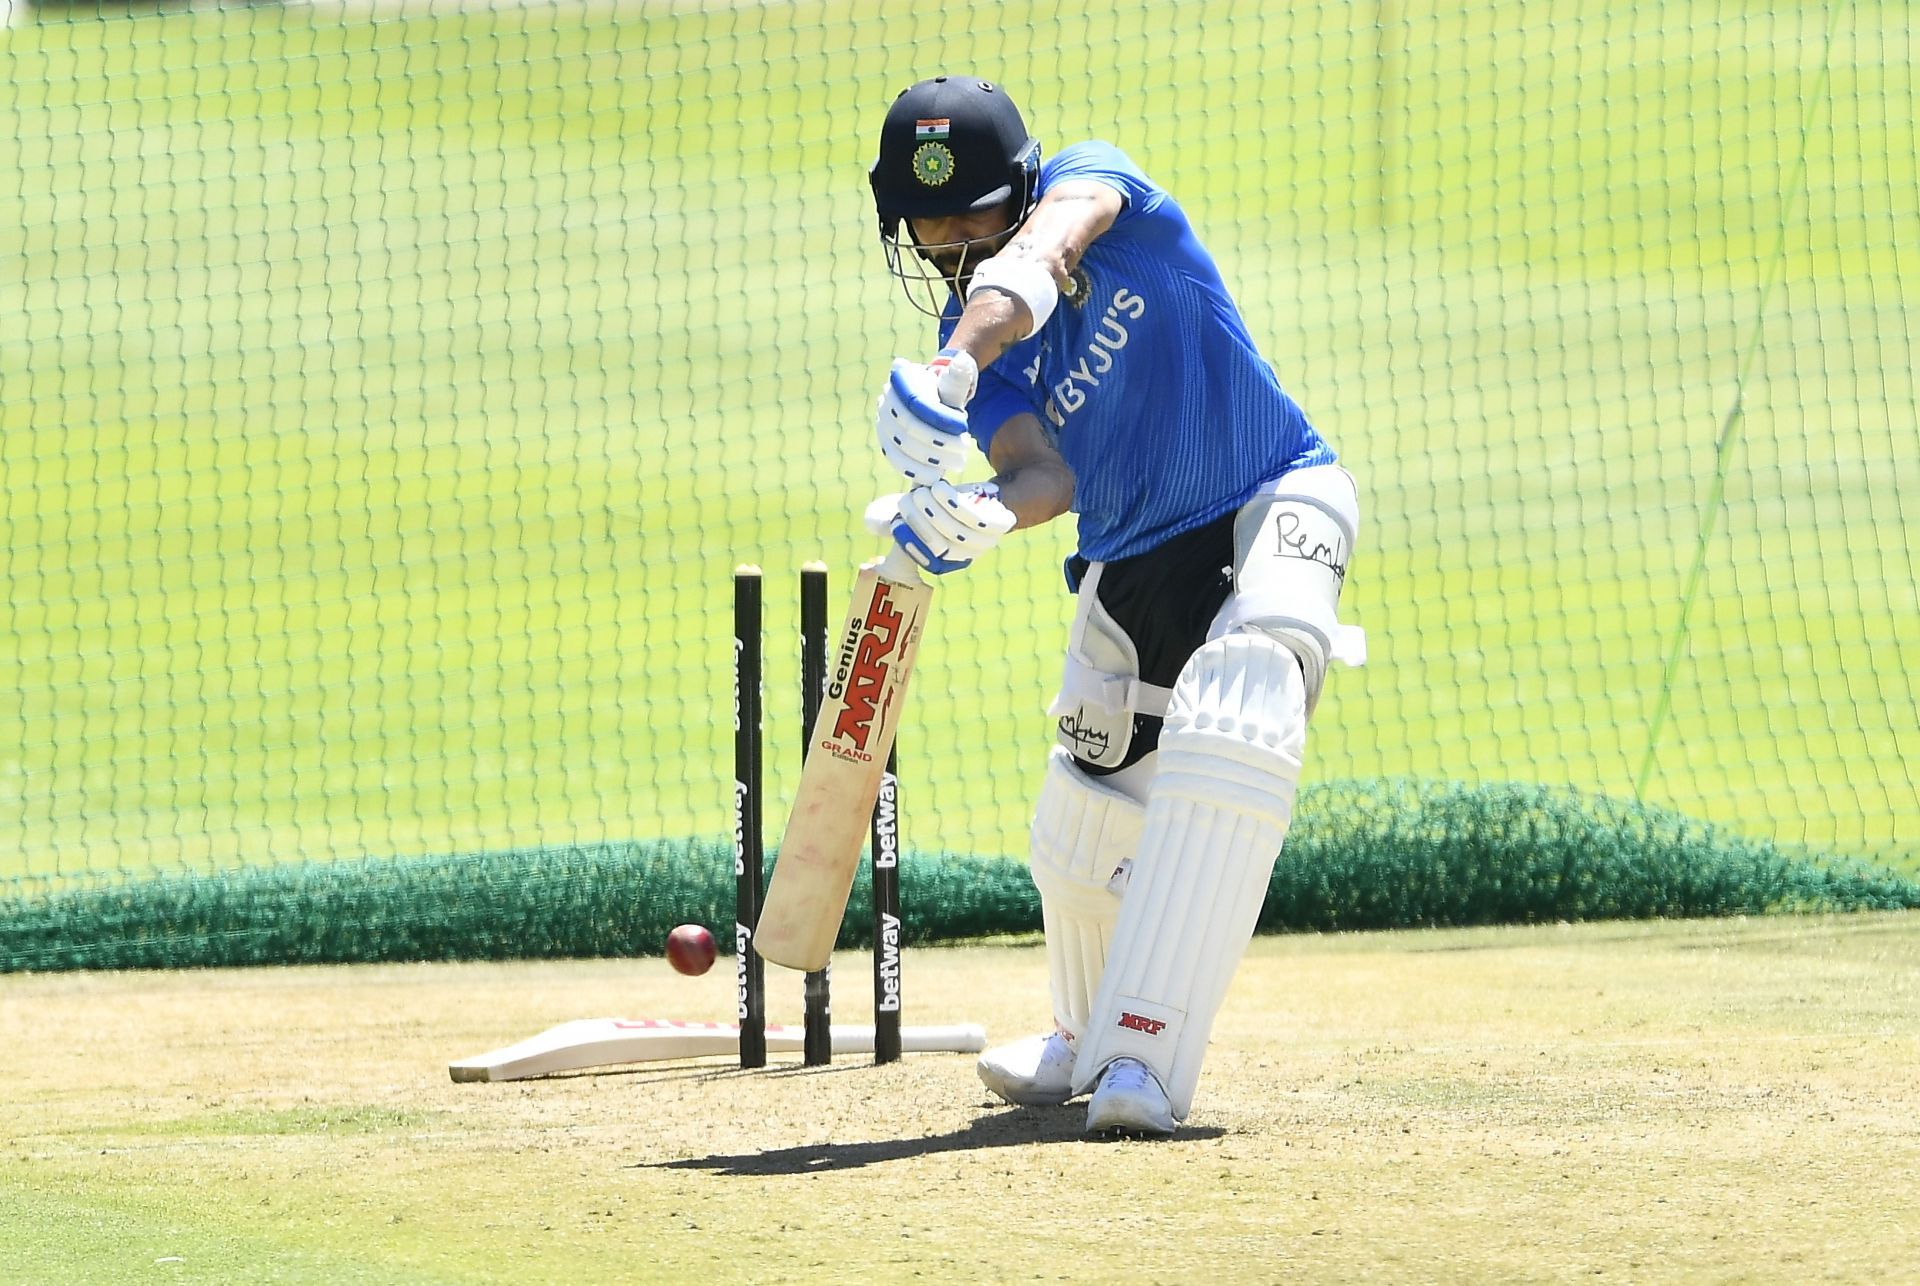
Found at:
<point>604,1042</point>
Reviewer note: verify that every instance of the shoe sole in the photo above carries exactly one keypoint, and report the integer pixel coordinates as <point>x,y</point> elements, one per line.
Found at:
<point>1126,1128</point>
<point>1117,1132</point>
<point>1021,1097</point>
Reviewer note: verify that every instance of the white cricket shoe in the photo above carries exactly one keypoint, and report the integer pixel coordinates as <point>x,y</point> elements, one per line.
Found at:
<point>1035,1072</point>
<point>1129,1102</point>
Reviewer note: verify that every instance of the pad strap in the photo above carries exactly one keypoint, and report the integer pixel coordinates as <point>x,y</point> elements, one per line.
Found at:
<point>1113,693</point>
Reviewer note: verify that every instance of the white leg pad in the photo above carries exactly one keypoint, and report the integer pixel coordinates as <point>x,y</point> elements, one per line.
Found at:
<point>1216,815</point>
<point>1291,546</point>
<point>1082,832</point>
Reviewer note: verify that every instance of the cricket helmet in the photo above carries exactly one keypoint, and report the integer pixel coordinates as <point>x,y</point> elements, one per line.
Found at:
<point>952,145</point>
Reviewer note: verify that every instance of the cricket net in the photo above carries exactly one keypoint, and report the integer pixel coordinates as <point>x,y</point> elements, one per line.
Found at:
<point>387,391</point>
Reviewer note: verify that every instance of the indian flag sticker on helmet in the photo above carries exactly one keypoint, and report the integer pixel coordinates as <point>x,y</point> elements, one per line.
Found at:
<point>936,128</point>
<point>932,164</point>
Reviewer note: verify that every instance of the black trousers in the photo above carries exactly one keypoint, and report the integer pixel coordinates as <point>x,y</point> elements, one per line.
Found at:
<point>1165,599</point>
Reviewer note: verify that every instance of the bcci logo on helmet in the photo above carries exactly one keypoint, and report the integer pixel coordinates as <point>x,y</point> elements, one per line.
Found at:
<point>932,164</point>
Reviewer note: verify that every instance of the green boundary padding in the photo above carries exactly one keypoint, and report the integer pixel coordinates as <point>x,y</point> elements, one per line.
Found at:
<point>1362,855</point>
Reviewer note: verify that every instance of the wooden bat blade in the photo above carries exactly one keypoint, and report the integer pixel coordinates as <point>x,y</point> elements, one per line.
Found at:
<point>878,641</point>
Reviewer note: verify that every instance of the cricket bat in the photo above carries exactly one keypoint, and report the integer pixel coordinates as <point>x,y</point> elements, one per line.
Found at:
<point>866,687</point>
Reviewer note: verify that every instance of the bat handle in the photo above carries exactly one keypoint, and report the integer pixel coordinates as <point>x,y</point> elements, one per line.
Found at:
<point>898,566</point>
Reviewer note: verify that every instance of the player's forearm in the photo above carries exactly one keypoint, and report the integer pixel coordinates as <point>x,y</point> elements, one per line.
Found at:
<point>992,323</point>
<point>1036,492</point>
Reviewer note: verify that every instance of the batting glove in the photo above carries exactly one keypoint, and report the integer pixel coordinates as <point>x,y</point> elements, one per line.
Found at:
<point>921,420</point>
<point>943,527</point>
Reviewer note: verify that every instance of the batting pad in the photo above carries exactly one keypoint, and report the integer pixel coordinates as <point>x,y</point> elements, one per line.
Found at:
<point>1082,831</point>
<point>1216,815</point>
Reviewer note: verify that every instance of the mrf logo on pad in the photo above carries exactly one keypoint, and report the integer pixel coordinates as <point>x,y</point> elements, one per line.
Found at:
<point>867,656</point>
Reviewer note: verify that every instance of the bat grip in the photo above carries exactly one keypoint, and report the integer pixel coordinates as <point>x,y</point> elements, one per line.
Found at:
<point>898,566</point>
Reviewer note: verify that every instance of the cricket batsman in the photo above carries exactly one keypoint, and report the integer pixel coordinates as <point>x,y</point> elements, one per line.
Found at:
<point>1087,344</point>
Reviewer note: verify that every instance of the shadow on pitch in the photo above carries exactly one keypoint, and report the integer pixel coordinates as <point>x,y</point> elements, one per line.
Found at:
<point>1013,1127</point>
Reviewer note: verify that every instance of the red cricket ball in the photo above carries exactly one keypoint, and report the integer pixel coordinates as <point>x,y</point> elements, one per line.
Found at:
<point>691,949</point>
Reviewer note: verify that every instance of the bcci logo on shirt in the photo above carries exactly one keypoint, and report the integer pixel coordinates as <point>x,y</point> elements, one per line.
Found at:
<point>1079,288</point>
<point>933,159</point>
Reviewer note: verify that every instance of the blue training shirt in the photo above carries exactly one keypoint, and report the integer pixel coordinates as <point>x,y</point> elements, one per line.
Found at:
<point>1145,377</point>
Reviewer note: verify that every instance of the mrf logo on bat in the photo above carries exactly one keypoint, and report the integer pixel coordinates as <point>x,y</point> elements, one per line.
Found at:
<point>840,785</point>
<point>868,654</point>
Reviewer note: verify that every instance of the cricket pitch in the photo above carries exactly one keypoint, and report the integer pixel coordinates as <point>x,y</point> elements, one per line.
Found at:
<point>1726,1100</point>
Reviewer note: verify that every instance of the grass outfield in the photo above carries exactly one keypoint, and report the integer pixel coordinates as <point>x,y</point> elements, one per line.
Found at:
<point>385,398</point>
<point>1699,1101</point>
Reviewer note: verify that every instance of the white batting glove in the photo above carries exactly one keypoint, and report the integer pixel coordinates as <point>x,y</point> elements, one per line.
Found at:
<point>943,527</point>
<point>921,420</point>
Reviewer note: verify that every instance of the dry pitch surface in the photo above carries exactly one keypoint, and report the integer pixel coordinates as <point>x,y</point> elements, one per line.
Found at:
<point>1722,1101</point>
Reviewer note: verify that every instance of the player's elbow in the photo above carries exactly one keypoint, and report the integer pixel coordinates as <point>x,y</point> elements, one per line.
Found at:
<point>1045,491</point>
<point>1063,489</point>
<point>1055,258</point>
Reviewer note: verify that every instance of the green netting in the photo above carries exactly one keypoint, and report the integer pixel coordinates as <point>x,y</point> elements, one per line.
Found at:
<point>387,391</point>
<point>1362,856</point>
